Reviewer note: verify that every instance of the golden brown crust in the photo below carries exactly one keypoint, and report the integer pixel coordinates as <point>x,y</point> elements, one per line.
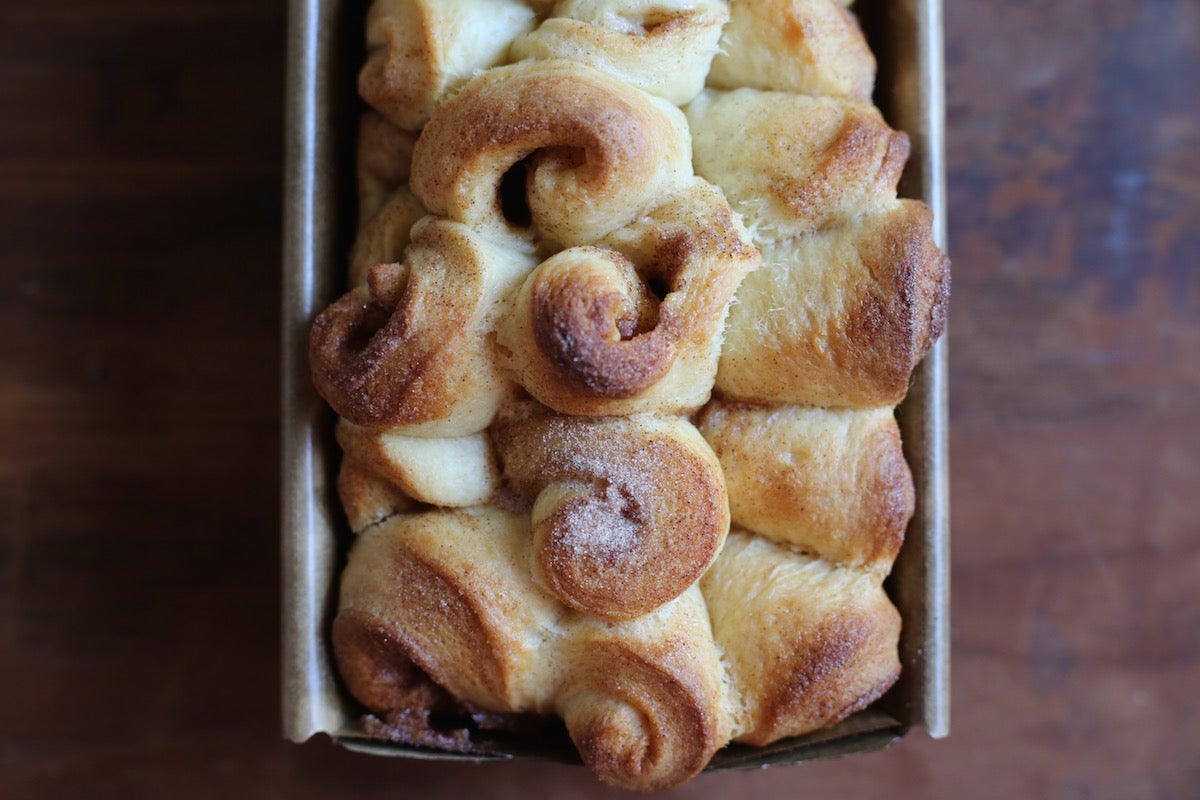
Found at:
<point>533,343</point>
<point>832,483</point>
<point>909,313</point>
<point>449,591</point>
<point>601,153</point>
<point>664,48</point>
<point>587,335</point>
<point>418,51</point>
<point>627,513</point>
<point>824,640</point>
<point>810,47</point>
<point>411,348</point>
<point>794,164</point>
<point>841,667</point>
<point>644,702</point>
<point>839,318</point>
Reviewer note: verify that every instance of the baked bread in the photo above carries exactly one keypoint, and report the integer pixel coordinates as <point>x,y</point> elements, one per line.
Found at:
<point>630,305</point>
<point>627,512</point>
<point>643,698</point>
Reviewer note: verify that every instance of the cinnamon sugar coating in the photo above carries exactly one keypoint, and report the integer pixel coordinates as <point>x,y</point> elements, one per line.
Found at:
<point>443,589</point>
<point>627,513</point>
<point>631,303</point>
<point>600,153</point>
<point>411,347</point>
<point>588,335</point>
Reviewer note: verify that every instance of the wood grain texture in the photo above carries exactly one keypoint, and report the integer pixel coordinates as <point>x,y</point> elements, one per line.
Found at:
<point>140,170</point>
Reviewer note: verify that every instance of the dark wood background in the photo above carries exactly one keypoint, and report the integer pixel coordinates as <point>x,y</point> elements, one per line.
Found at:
<point>140,179</point>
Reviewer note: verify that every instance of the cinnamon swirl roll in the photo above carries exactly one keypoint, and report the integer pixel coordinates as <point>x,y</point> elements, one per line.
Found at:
<point>644,700</point>
<point>410,350</point>
<point>588,334</point>
<point>627,513</point>
<point>600,153</point>
<point>443,601</point>
<point>449,592</point>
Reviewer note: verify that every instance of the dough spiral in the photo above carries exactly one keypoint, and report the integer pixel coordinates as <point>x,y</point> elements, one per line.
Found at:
<point>410,348</point>
<point>643,700</point>
<point>627,513</point>
<point>599,154</point>
<point>447,594</point>
<point>589,335</point>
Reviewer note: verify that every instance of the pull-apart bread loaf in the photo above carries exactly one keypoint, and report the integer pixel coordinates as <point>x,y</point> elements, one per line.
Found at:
<point>630,307</point>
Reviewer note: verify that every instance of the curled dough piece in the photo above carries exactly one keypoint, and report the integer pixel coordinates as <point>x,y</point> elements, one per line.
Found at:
<point>805,645</point>
<point>587,335</point>
<point>643,700</point>
<point>839,318</point>
<point>448,591</point>
<point>627,513</point>
<point>410,348</point>
<point>812,47</point>
<point>791,164</point>
<point>448,472</point>
<point>444,600</point>
<point>832,483</point>
<point>664,48</point>
<point>600,154</point>
<point>418,51</point>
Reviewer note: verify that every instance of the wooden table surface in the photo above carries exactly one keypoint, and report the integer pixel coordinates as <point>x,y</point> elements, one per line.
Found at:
<point>140,179</point>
